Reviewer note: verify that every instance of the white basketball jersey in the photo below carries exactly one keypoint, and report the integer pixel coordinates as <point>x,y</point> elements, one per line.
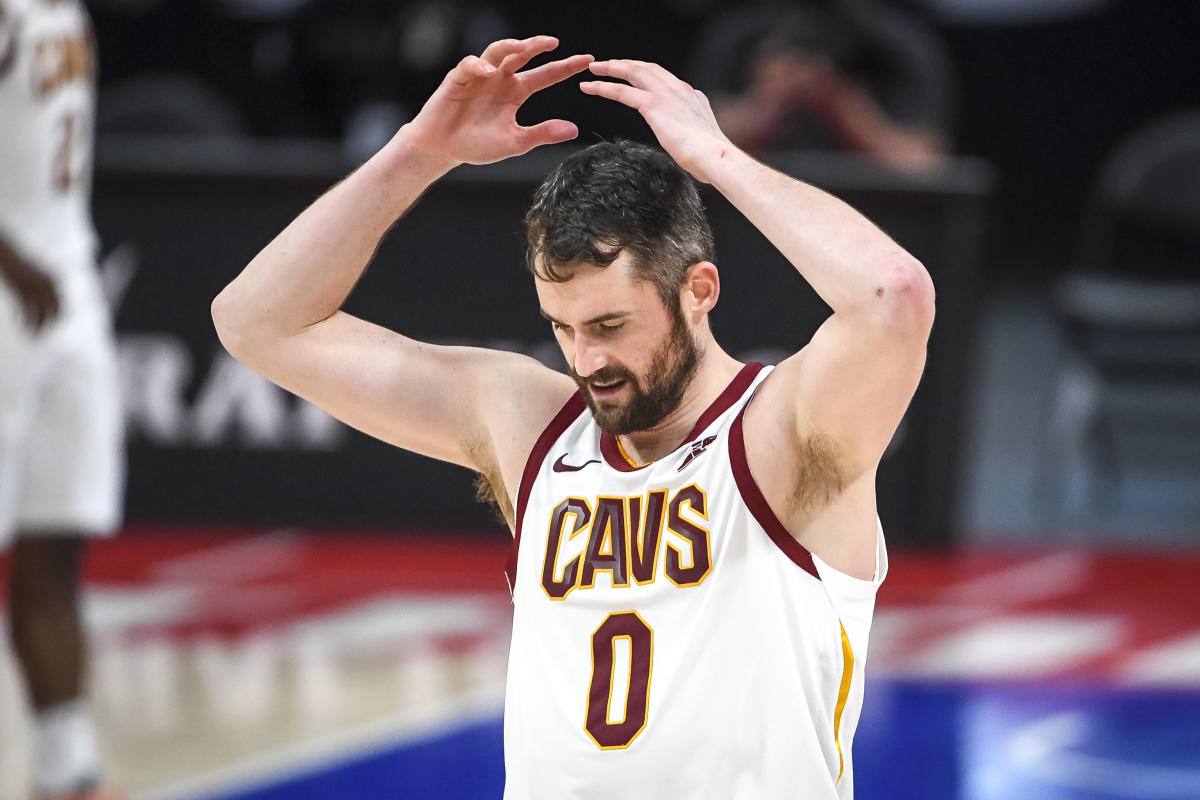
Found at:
<point>47,88</point>
<point>670,638</point>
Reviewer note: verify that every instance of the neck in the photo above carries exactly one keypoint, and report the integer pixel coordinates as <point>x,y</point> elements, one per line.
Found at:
<point>714,372</point>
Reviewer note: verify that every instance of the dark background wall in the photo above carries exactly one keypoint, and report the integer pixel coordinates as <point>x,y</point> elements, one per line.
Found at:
<point>1042,100</point>
<point>1045,102</point>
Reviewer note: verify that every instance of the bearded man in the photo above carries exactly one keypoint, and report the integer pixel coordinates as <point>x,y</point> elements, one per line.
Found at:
<point>697,548</point>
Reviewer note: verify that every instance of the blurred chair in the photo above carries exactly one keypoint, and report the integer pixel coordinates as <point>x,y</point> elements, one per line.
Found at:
<point>1127,391</point>
<point>167,104</point>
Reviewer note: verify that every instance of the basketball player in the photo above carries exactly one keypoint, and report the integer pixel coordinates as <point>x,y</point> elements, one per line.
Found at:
<point>697,546</point>
<point>60,434</point>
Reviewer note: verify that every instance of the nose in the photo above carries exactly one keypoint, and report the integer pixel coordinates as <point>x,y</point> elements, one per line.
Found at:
<point>589,359</point>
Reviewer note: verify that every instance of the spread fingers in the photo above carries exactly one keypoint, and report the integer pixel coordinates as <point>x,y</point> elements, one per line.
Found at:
<point>549,74</point>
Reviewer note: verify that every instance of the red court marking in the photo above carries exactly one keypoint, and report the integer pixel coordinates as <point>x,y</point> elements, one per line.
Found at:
<point>241,581</point>
<point>309,573</point>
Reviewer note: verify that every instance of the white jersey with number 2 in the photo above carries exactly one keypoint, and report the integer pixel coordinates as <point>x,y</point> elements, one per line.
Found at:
<point>47,104</point>
<point>670,638</point>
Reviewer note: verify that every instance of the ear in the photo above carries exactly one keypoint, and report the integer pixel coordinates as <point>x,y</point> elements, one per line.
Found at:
<point>700,289</point>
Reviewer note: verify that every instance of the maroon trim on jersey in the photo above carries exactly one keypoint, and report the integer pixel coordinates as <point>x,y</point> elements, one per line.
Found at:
<point>754,500</point>
<point>733,392</point>
<point>562,420</point>
<point>610,448</point>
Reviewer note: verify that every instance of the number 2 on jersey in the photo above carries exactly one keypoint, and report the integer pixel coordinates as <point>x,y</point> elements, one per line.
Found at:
<point>69,163</point>
<point>628,627</point>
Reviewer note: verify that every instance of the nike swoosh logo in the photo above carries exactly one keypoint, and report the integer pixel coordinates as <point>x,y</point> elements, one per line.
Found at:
<point>562,466</point>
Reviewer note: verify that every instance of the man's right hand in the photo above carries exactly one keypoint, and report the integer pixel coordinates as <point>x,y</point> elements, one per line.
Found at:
<point>472,116</point>
<point>483,409</point>
<point>35,291</point>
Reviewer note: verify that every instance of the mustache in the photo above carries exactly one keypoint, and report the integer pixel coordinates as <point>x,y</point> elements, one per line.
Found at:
<point>604,375</point>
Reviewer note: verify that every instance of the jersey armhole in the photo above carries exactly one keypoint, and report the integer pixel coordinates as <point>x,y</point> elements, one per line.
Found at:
<point>853,599</point>
<point>858,586</point>
<point>562,420</point>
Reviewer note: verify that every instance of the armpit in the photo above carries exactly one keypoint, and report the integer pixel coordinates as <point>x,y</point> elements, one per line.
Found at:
<point>819,478</point>
<point>489,486</point>
<point>485,492</point>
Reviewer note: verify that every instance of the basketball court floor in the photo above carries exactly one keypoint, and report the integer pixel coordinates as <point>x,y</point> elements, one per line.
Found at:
<point>284,663</point>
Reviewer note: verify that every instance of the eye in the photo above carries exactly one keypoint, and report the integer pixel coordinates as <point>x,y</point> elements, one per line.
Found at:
<point>557,327</point>
<point>611,329</point>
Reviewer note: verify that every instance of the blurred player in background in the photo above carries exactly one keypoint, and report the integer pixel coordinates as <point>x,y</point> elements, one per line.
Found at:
<point>61,460</point>
<point>695,573</point>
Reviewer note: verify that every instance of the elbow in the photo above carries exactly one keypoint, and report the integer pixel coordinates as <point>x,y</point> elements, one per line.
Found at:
<point>228,323</point>
<point>907,296</point>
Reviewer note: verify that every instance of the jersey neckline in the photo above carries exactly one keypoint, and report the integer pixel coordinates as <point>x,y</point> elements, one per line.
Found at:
<point>615,456</point>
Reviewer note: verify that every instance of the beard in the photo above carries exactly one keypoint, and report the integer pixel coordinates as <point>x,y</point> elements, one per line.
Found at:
<point>672,367</point>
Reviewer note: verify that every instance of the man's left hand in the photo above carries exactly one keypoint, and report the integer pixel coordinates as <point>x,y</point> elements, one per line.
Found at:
<point>679,115</point>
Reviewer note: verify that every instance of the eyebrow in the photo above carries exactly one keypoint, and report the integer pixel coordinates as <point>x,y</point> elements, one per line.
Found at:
<point>611,315</point>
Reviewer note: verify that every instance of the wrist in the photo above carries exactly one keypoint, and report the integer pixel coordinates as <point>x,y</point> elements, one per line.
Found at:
<point>405,155</point>
<point>715,163</point>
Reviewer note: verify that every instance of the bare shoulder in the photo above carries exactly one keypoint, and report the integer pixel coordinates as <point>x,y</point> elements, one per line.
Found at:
<point>801,471</point>
<point>527,396</point>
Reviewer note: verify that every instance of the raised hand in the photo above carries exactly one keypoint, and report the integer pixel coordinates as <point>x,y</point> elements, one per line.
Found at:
<point>472,116</point>
<point>679,115</point>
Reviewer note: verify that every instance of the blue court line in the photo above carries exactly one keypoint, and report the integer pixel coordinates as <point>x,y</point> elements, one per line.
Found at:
<point>464,764</point>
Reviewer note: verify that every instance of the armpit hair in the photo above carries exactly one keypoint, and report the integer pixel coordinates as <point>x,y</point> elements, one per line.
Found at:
<point>485,492</point>
<point>820,478</point>
<point>489,487</point>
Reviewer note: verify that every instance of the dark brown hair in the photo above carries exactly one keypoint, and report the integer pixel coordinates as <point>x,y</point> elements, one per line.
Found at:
<point>614,196</point>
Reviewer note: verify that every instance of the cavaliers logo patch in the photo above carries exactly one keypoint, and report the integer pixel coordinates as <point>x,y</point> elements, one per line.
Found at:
<point>697,449</point>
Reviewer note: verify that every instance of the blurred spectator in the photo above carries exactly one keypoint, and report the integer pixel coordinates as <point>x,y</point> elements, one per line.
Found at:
<point>846,75</point>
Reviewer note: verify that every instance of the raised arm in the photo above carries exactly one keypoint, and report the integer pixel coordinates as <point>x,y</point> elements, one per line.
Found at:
<point>281,315</point>
<point>839,400</point>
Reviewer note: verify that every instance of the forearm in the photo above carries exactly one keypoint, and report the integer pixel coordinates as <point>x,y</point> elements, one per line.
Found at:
<point>305,274</point>
<point>853,265</point>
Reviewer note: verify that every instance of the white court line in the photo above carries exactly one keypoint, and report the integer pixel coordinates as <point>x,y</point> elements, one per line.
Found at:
<point>1025,583</point>
<point>321,753</point>
<point>1175,662</point>
<point>264,554</point>
<point>1040,750</point>
<point>1023,646</point>
<point>109,610</point>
